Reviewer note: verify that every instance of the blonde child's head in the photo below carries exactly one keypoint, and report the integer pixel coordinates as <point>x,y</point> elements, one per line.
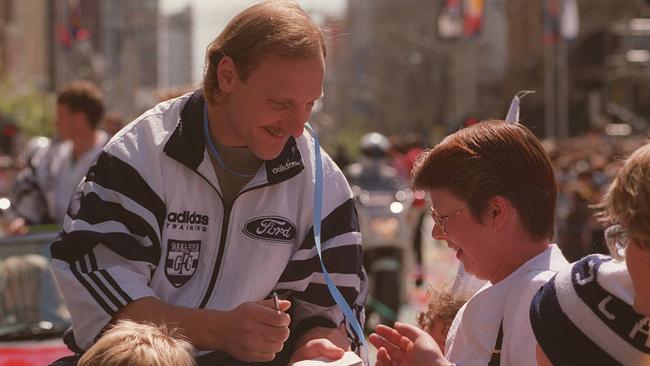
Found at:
<point>128,343</point>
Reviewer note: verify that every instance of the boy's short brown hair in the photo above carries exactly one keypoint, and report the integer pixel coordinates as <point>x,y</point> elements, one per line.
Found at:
<point>494,158</point>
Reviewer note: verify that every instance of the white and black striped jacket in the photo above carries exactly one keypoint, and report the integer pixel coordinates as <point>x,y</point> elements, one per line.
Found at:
<point>149,221</point>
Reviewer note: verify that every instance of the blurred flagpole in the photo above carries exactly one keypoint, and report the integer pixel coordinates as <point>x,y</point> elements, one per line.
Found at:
<point>561,26</point>
<point>569,27</point>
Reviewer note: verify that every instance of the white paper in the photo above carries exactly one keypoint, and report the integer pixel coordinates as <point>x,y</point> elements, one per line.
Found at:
<point>349,359</point>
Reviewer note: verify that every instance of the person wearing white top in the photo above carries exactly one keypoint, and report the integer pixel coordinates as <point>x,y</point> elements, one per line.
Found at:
<point>44,189</point>
<point>493,195</point>
<point>473,333</point>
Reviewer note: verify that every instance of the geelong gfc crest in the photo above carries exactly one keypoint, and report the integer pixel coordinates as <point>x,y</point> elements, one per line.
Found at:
<point>182,260</point>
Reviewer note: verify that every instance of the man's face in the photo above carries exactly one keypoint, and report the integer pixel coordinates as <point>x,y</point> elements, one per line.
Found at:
<point>273,104</point>
<point>66,121</point>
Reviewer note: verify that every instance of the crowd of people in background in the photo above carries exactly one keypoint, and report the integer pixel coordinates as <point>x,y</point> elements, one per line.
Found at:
<point>585,166</point>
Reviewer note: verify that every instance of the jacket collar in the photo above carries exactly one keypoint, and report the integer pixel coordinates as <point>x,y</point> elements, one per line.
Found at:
<point>187,144</point>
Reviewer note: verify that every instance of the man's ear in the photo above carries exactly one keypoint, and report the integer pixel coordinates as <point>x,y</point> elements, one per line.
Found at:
<point>226,74</point>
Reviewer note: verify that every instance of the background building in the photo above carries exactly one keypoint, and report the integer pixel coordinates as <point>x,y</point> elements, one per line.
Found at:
<point>429,67</point>
<point>175,60</point>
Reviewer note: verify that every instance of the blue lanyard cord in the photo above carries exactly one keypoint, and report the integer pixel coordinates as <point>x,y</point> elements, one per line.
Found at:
<point>318,204</point>
<point>213,149</point>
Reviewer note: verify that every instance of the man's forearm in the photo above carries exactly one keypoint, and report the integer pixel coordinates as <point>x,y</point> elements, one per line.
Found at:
<point>193,323</point>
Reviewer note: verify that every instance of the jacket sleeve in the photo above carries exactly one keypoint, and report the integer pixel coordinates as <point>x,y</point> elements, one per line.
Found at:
<point>109,244</point>
<point>28,197</point>
<point>312,303</point>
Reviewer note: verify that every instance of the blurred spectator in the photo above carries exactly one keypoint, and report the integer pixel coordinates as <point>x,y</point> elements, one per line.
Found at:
<point>112,123</point>
<point>584,168</point>
<point>28,293</point>
<point>44,188</point>
<point>173,92</point>
<point>404,153</point>
<point>341,157</point>
<point>413,149</point>
<point>129,343</point>
<point>8,132</point>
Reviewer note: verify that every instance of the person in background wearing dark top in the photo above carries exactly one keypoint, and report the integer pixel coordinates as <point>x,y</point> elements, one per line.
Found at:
<point>201,208</point>
<point>44,189</point>
<point>341,157</point>
<point>418,209</point>
<point>597,311</point>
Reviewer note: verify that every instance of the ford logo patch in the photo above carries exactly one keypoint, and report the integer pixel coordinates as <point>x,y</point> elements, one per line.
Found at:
<point>272,228</point>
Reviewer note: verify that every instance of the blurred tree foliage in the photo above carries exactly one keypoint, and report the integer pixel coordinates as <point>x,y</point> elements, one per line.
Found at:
<point>30,109</point>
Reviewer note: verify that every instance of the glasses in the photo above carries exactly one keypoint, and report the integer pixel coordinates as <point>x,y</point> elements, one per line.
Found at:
<point>442,220</point>
<point>617,239</point>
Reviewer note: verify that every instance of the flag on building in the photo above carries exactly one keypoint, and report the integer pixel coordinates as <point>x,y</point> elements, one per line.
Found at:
<point>70,29</point>
<point>570,21</point>
<point>561,20</point>
<point>473,17</point>
<point>450,20</point>
<point>551,14</point>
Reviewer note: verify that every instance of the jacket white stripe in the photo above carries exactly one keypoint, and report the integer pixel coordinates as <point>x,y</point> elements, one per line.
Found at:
<point>338,241</point>
<point>110,195</point>
<point>104,227</point>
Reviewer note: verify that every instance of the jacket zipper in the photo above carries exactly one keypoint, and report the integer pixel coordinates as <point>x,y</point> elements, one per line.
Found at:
<point>217,265</point>
<point>225,224</point>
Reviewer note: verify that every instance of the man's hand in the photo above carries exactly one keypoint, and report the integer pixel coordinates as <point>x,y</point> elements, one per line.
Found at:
<point>254,331</point>
<point>321,342</point>
<point>251,332</point>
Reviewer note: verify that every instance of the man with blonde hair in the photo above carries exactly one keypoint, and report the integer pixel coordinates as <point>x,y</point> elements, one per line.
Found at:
<point>200,209</point>
<point>129,343</point>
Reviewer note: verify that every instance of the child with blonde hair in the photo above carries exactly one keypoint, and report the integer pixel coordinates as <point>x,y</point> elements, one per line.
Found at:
<point>128,343</point>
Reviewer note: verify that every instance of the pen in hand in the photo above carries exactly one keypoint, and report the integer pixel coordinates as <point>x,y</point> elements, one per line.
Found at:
<point>276,302</point>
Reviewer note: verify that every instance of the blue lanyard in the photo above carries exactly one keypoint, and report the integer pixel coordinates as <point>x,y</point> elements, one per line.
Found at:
<point>213,149</point>
<point>318,204</point>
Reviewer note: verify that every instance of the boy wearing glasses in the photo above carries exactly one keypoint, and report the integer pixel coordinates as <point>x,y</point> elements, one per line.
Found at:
<point>493,190</point>
<point>596,311</point>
